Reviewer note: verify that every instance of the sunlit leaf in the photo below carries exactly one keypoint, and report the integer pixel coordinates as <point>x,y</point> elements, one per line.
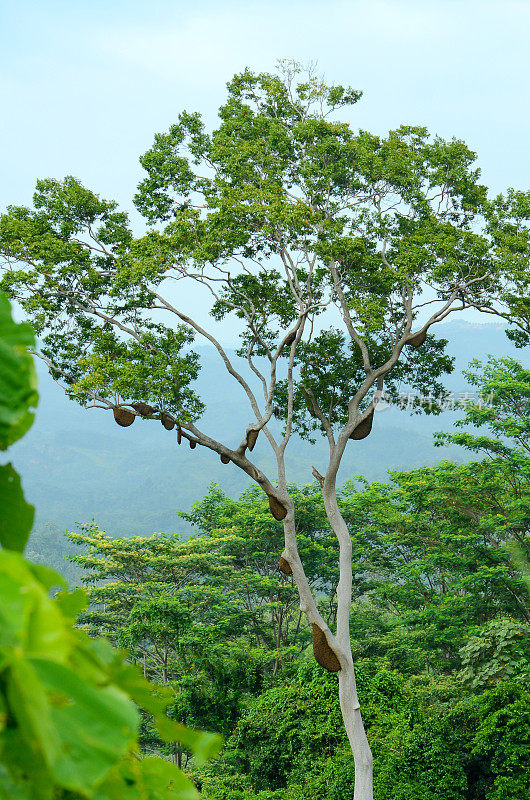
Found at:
<point>17,516</point>
<point>18,381</point>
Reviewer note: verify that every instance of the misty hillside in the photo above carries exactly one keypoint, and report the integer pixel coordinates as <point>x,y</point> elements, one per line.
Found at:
<point>77,464</point>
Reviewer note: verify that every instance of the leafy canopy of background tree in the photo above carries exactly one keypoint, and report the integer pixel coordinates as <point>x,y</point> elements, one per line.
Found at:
<point>212,615</point>
<point>69,718</point>
<point>440,539</point>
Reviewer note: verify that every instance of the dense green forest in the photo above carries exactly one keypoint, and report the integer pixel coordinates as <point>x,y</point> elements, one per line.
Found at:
<point>440,623</point>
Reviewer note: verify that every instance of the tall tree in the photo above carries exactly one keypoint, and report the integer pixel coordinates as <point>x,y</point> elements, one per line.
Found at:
<point>325,244</point>
<point>178,608</point>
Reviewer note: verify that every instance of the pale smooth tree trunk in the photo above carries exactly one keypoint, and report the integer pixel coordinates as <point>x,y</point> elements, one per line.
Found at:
<point>349,701</point>
<point>340,643</point>
<point>351,715</point>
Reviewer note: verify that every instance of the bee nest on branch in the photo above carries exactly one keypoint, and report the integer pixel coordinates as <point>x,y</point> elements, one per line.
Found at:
<point>284,566</point>
<point>167,421</point>
<point>252,437</point>
<point>278,510</point>
<point>323,653</point>
<point>417,340</point>
<point>363,428</point>
<point>123,417</point>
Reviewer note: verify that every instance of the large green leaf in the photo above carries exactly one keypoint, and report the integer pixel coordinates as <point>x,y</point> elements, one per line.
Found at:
<point>31,623</point>
<point>150,778</point>
<point>14,607</point>
<point>18,380</point>
<point>204,745</point>
<point>164,781</point>
<point>68,713</point>
<point>16,516</point>
<point>30,705</point>
<point>95,726</point>
<point>26,764</point>
<point>72,603</point>
<point>14,791</point>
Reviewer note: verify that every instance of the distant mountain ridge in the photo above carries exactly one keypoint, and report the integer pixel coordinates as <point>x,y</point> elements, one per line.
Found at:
<point>77,464</point>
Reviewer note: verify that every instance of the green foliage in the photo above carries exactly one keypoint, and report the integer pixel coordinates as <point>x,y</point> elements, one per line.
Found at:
<point>439,540</point>
<point>281,211</point>
<point>254,552</point>
<point>438,622</point>
<point>503,407</point>
<point>18,395</point>
<point>17,515</point>
<point>162,599</point>
<point>502,741</point>
<point>212,616</point>
<point>329,367</point>
<point>65,276</point>
<point>70,703</point>
<point>499,650</point>
<point>430,740</point>
<point>508,226</point>
<point>426,767</point>
<point>141,370</point>
<point>18,381</point>
<point>283,730</point>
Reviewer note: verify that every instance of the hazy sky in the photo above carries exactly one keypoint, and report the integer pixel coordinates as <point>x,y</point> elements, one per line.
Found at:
<point>85,84</point>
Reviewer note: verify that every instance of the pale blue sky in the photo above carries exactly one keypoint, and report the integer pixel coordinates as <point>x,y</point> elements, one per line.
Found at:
<point>84,85</point>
